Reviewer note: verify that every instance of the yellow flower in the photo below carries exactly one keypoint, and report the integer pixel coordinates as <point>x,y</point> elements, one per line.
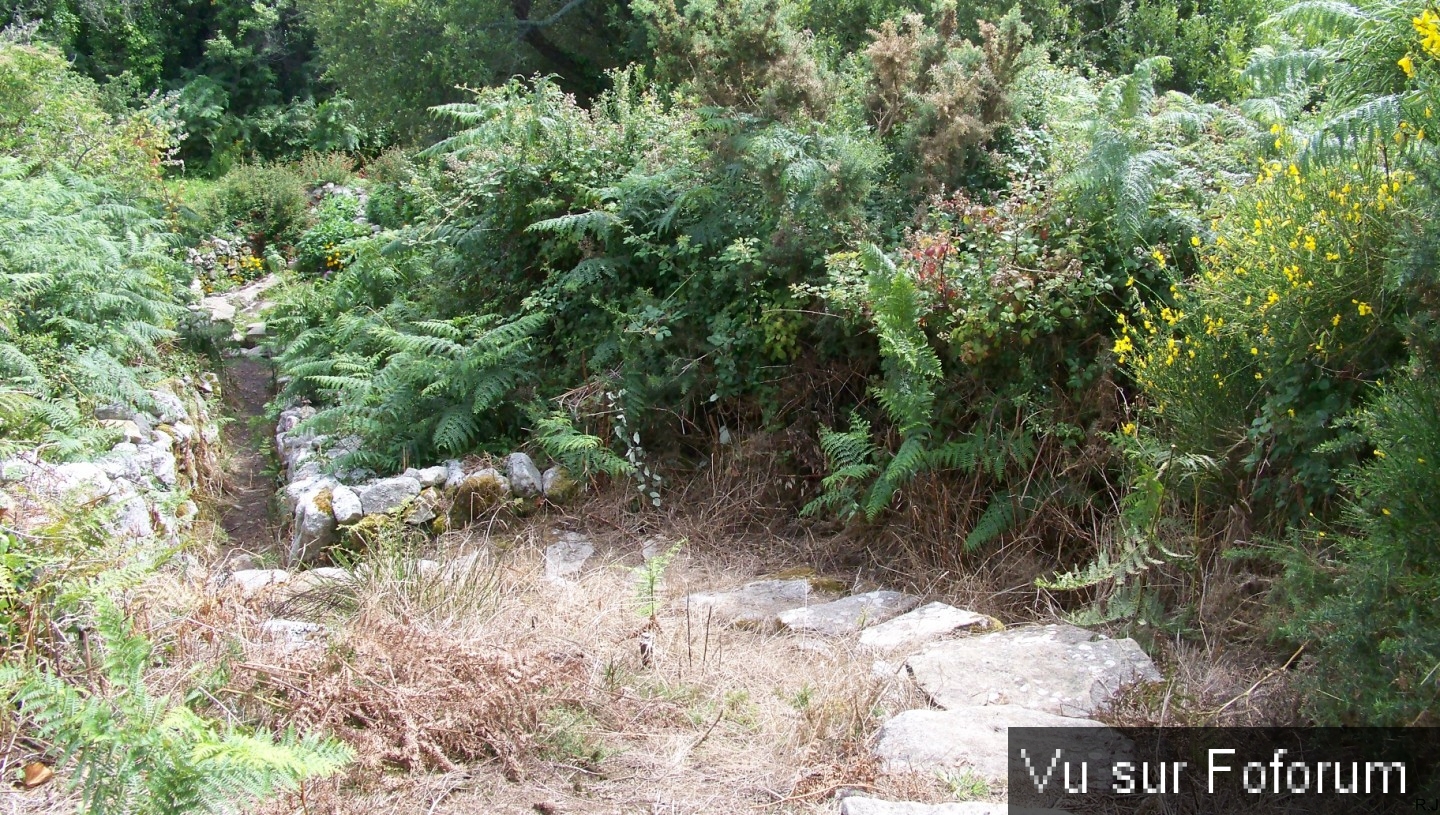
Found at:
<point>1254,351</point>
<point>1194,240</point>
<point>1384,511</point>
<point>1334,321</point>
<point>1407,65</point>
<point>1128,429</point>
<point>1427,25</point>
<point>1379,453</point>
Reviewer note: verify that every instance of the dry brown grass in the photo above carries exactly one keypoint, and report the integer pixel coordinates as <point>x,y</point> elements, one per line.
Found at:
<point>539,696</point>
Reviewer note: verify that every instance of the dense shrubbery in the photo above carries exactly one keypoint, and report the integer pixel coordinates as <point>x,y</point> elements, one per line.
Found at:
<point>1062,275</point>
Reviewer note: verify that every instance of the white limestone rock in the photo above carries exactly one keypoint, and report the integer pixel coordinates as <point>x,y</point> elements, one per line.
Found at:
<point>848,614</point>
<point>345,505</point>
<point>524,476</point>
<point>754,605</point>
<point>928,622</point>
<point>565,560</point>
<point>387,494</point>
<point>971,738</point>
<point>1058,669</point>
<point>252,582</point>
<point>313,528</point>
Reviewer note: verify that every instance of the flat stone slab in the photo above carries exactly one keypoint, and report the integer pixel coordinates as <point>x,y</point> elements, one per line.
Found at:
<point>753,605</point>
<point>928,622</point>
<point>1058,669</point>
<point>860,805</point>
<point>848,614</point>
<point>253,581</point>
<point>564,560</point>
<point>973,739</point>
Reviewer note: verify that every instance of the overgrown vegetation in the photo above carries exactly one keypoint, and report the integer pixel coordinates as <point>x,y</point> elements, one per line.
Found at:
<point>1106,299</point>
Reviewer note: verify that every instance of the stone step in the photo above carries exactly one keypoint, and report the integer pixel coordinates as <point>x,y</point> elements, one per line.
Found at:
<point>754,605</point>
<point>970,739</point>
<point>848,614</point>
<point>1058,669</point>
<point>926,623</point>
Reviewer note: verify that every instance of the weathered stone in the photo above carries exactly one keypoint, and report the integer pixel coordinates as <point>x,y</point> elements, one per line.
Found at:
<point>219,309</point>
<point>971,738</point>
<point>158,461</point>
<point>387,494</point>
<point>127,429</point>
<point>314,526</point>
<point>132,517</point>
<point>254,333</point>
<point>253,581</point>
<point>311,580</point>
<point>114,413</point>
<point>477,495</point>
<point>565,559</point>
<point>849,614</point>
<point>7,505</point>
<point>1060,669</point>
<point>926,623</point>
<point>82,481</point>
<point>525,478</point>
<point>427,568</point>
<point>424,508</point>
<point>754,605</point>
<point>428,477</point>
<point>558,485</point>
<point>183,432</point>
<point>454,474</point>
<point>346,505</point>
<point>290,417</point>
<point>171,408</point>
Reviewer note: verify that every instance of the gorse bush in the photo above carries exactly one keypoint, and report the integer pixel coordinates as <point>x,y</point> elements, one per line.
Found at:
<point>1363,596</point>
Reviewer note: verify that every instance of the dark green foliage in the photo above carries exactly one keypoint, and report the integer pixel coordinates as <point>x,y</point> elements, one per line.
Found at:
<point>414,388</point>
<point>266,203</point>
<point>1365,597</point>
<point>582,454</point>
<point>433,50</point>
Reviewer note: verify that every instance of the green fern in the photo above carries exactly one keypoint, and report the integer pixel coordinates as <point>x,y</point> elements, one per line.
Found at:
<point>850,455</point>
<point>134,752</point>
<point>85,306</point>
<point>580,453</point>
<point>650,577</point>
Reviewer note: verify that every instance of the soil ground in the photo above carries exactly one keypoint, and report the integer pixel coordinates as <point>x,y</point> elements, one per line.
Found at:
<point>249,486</point>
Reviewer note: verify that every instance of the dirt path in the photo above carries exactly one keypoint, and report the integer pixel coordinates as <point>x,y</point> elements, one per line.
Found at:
<point>245,507</point>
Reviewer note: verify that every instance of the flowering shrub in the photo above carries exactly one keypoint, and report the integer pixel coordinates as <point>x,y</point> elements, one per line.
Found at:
<point>321,249</point>
<point>1279,334</point>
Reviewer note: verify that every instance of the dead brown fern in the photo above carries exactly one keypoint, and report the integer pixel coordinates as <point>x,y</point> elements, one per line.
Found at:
<point>404,698</point>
